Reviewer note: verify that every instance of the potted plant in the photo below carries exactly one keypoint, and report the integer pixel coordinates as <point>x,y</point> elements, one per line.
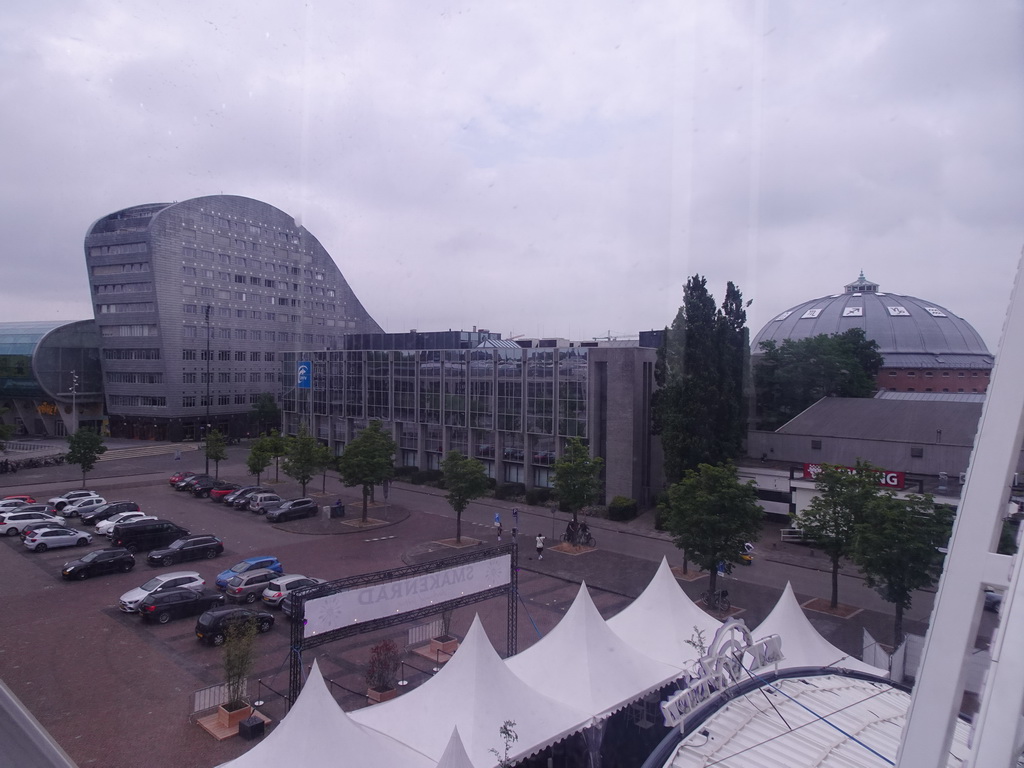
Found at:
<point>382,671</point>
<point>446,642</point>
<point>238,662</point>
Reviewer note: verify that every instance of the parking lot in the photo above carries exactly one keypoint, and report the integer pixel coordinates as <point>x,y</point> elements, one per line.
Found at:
<point>115,691</point>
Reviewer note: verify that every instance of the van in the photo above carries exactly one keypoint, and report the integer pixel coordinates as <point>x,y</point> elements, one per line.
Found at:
<point>146,534</point>
<point>261,503</point>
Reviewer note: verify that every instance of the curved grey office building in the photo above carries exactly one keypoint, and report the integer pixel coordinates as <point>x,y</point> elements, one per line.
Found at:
<point>194,303</point>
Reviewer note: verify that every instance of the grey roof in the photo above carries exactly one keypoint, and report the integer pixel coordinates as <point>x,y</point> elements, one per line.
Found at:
<point>498,343</point>
<point>899,324</point>
<point>949,397</point>
<point>22,338</point>
<point>912,421</point>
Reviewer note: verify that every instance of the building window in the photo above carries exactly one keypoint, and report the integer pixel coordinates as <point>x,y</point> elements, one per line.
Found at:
<point>188,401</point>
<point>224,355</point>
<point>188,354</point>
<point>916,451</point>
<point>188,378</point>
<point>815,445</point>
<point>254,357</point>
<point>223,399</point>
<point>239,357</point>
<point>223,378</point>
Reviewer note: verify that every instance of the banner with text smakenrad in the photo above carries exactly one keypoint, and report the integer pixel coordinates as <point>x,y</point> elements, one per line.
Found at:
<point>894,480</point>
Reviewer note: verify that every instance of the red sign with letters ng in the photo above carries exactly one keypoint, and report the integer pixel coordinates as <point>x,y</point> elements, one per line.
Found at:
<point>894,480</point>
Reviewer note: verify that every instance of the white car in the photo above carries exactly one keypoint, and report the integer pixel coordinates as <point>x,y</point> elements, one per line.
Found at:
<point>76,507</point>
<point>50,538</point>
<point>130,600</point>
<point>59,502</point>
<point>106,527</point>
<point>9,505</point>
<point>12,523</point>
<point>282,585</point>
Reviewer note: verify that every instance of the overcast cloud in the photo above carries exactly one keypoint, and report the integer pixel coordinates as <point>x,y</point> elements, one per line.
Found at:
<point>546,168</point>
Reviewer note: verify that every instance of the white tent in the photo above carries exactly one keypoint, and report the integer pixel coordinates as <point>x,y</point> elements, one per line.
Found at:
<point>317,732</point>
<point>454,755</point>
<point>583,663</point>
<point>663,621</point>
<point>476,693</point>
<point>801,643</point>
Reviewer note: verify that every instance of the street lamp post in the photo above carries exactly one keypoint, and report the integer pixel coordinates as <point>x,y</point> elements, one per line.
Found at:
<point>206,434</point>
<point>74,402</point>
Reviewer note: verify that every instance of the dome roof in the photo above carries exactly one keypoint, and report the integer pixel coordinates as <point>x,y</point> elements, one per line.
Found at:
<point>909,331</point>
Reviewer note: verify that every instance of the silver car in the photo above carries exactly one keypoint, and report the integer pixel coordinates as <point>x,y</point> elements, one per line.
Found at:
<point>13,523</point>
<point>49,538</point>
<point>248,587</point>
<point>129,602</point>
<point>278,588</point>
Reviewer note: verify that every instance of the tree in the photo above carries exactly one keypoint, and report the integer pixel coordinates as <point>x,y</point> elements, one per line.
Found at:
<point>698,408</point>
<point>576,477</point>
<point>216,449</point>
<point>238,660</point>
<point>368,461</point>
<point>831,519</point>
<point>898,548</point>
<point>6,431</point>
<point>276,446</point>
<point>465,480</point>
<point>303,458</point>
<point>268,415</point>
<point>84,449</point>
<point>258,461</point>
<point>711,515</point>
<point>790,378</point>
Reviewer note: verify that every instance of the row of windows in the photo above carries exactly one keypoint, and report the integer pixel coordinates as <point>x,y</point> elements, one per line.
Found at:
<point>224,355</point>
<point>117,250</point>
<point>191,401</point>
<point>136,401</point>
<point>124,288</point>
<point>120,269</point>
<point>240,377</point>
<point>131,354</point>
<point>252,229</point>
<point>255,298</point>
<point>118,377</point>
<point>109,331</point>
<point>108,309</point>
<point>945,374</point>
<point>250,263</point>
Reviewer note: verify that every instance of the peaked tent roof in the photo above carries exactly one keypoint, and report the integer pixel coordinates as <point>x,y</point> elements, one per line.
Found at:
<point>317,732</point>
<point>801,643</point>
<point>588,666</point>
<point>476,693</point>
<point>454,755</point>
<point>663,621</point>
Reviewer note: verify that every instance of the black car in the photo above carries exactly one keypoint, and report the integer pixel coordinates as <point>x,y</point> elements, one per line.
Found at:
<point>293,509</point>
<point>146,534</point>
<point>241,498</point>
<point>177,603</point>
<point>99,561</point>
<point>193,547</point>
<point>212,626</point>
<point>187,483</point>
<point>201,488</point>
<point>104,511</point>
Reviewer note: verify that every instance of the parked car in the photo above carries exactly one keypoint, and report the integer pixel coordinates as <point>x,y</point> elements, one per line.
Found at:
<point>246,490</point>
<point>51,538</point>
<point>20,497</point>
<point>280,587</point>
<point>98,562</point>
<point>248,587</point>
<point>39,506</point>
<point>106,527</point>
<point>177,477</point>
<point>217,494</point>
<point>193,547</point>
<point>188,482</point>
<point>130,600</point>
<point>293,509</point>
<point>59,502</point>
<point>212,626</point>
<point>106,511</point>
<point>14,522</point>
<point>261,503</point>
<point>146,534</point>
<point>9,505</point>
<point>76,507</point>
<point>243,500</point>
<point>202,488</point>
<point>249,564</point>
<point>177,602</point>
<point>31,528</point>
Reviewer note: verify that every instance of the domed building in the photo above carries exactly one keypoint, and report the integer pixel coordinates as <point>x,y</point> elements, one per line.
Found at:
<point>925,347</point>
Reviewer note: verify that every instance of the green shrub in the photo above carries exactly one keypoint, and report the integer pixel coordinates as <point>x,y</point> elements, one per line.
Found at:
<point>405,471</point>
<point>537,496</point>
<point>508,491</point>
<point>622,508</point>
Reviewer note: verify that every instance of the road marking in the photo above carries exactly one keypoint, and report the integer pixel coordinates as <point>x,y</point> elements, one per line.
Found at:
<point>380,538</point>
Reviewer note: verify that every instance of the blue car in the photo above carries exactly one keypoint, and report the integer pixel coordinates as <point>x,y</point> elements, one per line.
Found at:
<point>249,564</point>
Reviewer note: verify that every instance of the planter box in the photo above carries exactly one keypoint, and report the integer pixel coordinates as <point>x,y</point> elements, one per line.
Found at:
<point>447,645</point>
<point>377,696</point>
<point>231,718</point>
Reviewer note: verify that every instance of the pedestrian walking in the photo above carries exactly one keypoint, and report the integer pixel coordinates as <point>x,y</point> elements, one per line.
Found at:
<point>540,546</point>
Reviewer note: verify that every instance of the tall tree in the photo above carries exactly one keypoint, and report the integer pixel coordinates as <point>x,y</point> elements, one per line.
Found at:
<point>84,449</point>
<point>216,449</point>
<point>712,515</point>
<point>899,545</point>
<point>790,377</point>
<point>266,412</point>
<point>368,461</point>
<point>698,408</point>
<point>831,519</point>
<point>303,458</point>
<point>276,446</point>
<point>258,461</point>
<point>577,477</point>
<point>465,480</point>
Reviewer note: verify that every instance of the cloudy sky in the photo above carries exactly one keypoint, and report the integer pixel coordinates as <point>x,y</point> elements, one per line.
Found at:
<point>551,168</point>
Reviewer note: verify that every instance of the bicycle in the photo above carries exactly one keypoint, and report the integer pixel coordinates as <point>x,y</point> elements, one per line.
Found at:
<point>717,600</point>
<point>579,536</point>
